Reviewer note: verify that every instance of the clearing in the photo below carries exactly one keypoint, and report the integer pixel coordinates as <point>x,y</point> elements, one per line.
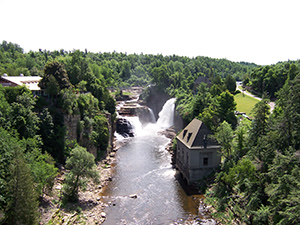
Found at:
<point>245,103</point>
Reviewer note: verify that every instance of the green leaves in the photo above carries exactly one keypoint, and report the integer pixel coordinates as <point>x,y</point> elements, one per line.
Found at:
<point>81,165</point>
<point>22,202</point>
<point>224,136</point>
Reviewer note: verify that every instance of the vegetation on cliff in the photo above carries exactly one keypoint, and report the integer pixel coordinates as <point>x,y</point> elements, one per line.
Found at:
<point>258,180</point>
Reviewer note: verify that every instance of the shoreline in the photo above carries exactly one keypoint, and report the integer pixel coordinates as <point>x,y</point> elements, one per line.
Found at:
<point>90,207</point>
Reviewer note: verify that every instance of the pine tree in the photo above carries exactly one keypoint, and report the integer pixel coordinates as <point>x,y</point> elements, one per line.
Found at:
<point>22,205</point>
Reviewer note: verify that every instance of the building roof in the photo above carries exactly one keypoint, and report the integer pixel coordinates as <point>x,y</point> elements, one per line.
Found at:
<point>31,82</point>
<point>202,79</point>
<point>196,135</point>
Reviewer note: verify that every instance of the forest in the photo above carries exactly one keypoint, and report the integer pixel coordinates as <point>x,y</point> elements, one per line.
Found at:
<point>258,181</point>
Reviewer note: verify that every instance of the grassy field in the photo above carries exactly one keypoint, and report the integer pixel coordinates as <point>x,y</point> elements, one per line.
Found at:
<point>124,93</point>
<point>244,103</point>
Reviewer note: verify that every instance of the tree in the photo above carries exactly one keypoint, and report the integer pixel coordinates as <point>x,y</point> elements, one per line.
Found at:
<point>160,76</point>
<point>52,86</point>
<point>22,203</point>
<point>4,108</point>
<point>261,114</point>
<point>81,165</point>
<point>82,86</point>
<point>283,189</point>
<point>23,118</point>
<point>8,144</point>
<point>100,133</point>
<point>226,108</point>
<point>57,70</point>
<point>230,84</point>
<point>125,73</point>
<point>224,136</point>
<point>43,170</point>
<point>201,100</point>
<point>241,138</point>
<point>88,105</point>
<point>68,100</point>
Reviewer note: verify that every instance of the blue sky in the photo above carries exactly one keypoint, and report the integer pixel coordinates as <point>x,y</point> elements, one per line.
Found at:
<point>259,31</point>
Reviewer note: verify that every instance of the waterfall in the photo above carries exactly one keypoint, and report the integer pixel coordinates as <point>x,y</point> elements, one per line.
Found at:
<point>166,115</point>
<point>153,120</point>
<point>165,120</point>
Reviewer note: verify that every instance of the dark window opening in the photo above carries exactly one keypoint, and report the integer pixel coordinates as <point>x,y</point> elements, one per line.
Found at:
<point>205,161</point>
<point>184,133</point>
<point>189,136</point>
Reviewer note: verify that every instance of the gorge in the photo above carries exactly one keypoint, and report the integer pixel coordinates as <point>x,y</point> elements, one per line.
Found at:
<point>144,188</point>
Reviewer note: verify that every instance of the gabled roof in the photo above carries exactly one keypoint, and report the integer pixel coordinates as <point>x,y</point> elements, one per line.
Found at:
<point>31,82</point>
<point>197,135</point>
<point>202,79</point>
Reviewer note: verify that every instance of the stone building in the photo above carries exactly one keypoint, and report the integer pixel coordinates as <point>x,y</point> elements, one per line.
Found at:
<point>31,82</point>
<point>197,152</point>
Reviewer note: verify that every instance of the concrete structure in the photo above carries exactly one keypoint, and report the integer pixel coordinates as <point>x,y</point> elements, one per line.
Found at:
<point>31,82</point>
<point>197,152</point>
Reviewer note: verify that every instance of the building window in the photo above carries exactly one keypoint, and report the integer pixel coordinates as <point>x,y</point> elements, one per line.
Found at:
<point>187,158</point>
<point>205,161</point>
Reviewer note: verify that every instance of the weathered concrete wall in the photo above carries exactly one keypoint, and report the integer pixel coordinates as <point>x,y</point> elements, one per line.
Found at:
<point>191,162</point>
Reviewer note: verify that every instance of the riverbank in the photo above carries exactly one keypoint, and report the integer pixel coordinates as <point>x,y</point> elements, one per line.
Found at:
<point>90,207</point>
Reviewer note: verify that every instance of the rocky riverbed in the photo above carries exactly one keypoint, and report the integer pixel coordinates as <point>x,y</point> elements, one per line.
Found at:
<point>89,209</point>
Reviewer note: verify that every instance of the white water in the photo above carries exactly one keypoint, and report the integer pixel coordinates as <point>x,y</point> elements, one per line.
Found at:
<point>143,168</point>
<point>165,120</point>
<point>153,120</point>
<point>166,115</point>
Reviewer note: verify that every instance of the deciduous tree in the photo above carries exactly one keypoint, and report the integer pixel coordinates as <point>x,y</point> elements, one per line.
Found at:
<point>81,165</point>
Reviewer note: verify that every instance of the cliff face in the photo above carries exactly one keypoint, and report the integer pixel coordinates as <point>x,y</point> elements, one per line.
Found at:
<point>75,131</point>
<point>111,130</point>
<point>71,123</point>
<point>156,99</point>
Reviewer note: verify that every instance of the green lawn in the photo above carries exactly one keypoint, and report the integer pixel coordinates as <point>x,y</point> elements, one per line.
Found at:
<point>124,93</point>
<point>245,103</point>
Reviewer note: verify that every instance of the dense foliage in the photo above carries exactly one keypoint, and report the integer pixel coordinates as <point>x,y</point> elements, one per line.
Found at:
<point>34,135</point>
<point>267,80</point>
<point>258,182</point>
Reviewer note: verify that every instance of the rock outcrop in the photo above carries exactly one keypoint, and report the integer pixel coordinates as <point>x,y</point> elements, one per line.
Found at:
<point>124,127</point>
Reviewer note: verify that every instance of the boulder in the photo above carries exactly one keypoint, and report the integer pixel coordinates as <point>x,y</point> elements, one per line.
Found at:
<point>124,127</point>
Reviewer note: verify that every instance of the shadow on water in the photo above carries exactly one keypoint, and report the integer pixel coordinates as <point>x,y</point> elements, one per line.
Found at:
<point>145,188</point>
<point>188,189</point>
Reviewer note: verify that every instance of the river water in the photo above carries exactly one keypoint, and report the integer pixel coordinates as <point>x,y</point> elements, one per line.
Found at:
<point>144,189</point>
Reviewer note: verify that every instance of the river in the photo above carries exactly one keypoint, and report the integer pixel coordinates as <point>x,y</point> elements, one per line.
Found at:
<point>144,189</point>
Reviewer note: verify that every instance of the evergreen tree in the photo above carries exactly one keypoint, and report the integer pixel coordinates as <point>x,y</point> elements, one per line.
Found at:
<point>230,84</point>
<point>55,70</point>
<point>261,114</point>
<point>22,201</point>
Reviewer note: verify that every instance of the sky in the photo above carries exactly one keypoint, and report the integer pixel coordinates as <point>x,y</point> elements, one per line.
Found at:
<point>259,31</point>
